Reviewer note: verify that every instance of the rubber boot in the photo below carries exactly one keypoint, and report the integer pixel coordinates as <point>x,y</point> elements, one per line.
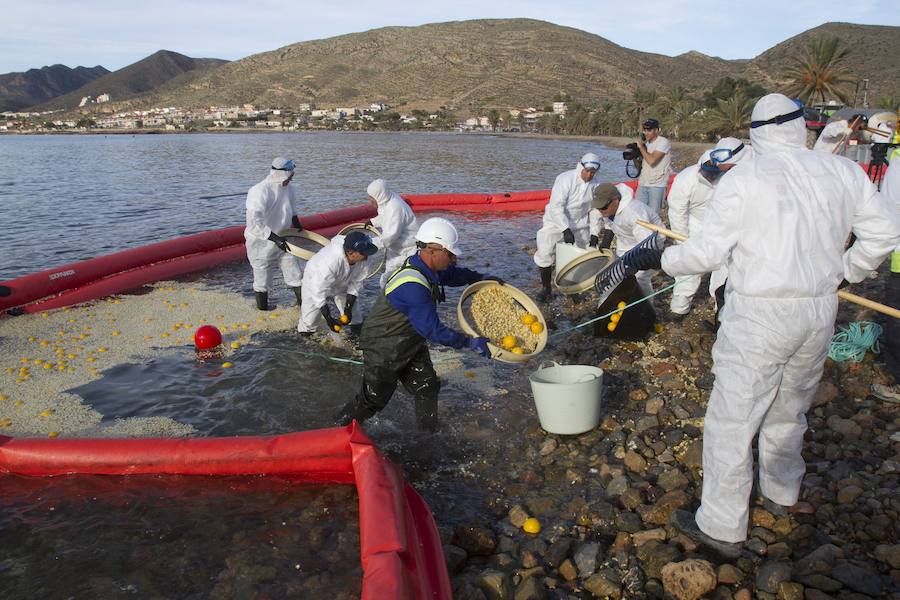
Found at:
<point>262,300</point>
<point>297,293</point>
<point>546,277</point>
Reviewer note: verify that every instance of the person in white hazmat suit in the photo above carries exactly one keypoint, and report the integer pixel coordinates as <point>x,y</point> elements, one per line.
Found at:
<point>839,132</point>
<point>565,217</point>
<point>271,208</point>
<point>778,222</point>
<point>688,198</point>
<point>620,213</point>
<point>336,271</point>
<point>397,225</point>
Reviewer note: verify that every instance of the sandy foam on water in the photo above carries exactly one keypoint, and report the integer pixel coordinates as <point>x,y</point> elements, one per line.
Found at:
<point>44,355</point>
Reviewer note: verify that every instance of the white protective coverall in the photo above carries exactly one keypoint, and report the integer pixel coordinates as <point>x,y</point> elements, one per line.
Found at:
<point>778,222</point>
<point>628,233</point>
<point>568,208</point>
<point>687,204</point>
<point>329,274</point>
<point>397,225</point>
<point>270,206</point>
<point>832,135</point>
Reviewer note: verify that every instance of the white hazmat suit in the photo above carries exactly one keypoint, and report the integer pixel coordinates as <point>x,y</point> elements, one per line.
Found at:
<point>568,208</point>
<point>778,222</point>
<point>688,198</point>
<point>329,274</point>
<point>628,233</point>
<point>270,206</point>
<point>397,225</point>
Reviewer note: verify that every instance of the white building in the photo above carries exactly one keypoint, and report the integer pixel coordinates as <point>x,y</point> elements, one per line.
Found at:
<point>560,108</point>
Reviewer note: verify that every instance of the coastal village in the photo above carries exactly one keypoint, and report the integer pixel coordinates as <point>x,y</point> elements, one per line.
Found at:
<point>304,116</point>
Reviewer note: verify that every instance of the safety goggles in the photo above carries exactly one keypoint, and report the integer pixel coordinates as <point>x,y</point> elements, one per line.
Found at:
<point>723,155</point>
<point>797,114</point>
<point>710,171</point>
<point>591,165</point>
<point>288,166</point>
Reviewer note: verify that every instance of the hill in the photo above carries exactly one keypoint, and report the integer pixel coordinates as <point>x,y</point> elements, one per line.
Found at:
<point>874,50</point>
<point>464,64</point>
<point>146,75</point>
<point>24,89</point>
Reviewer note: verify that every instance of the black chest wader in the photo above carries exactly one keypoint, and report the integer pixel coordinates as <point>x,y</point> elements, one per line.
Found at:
<point>393,351</point>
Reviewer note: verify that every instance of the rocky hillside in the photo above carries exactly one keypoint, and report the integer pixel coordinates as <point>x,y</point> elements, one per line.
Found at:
<point>874,52</point>
<point>21,90</point>
<point>147,75</point>
<point>506,62</point>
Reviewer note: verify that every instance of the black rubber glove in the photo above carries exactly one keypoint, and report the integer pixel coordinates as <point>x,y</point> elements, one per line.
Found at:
<point>844,283</point>
<point>644,259</point>
<point>568,236</point>
<point>493,278</point>
<point>279,241</point>
<point>594,241</point>
<point>333,325</point>
<point>295,223</point>
<point>606,240</point>
<point>348,309</point>
<point>369,224</point>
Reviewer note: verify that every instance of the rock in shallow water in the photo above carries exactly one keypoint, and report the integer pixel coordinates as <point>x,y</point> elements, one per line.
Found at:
<point>689,580</point>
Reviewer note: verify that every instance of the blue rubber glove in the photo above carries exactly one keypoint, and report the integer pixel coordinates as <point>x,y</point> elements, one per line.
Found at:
<point>479,345</point>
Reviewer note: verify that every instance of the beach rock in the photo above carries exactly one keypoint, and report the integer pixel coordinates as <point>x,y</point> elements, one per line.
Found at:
<point>654,555</point>
<point>691,455</point>
<point>455,558</point>
<point>659,513</point>
<point>771,574</point>
<point>760,517</point>
<point>672,479</point>
<point>819,582</point>
<point>628,522</point>
<point>496,585</point>
<point>586,559</point>
<point>631,498</point>
<point>635,462</point>
<point>518,515</point>
<point>857,578</point>
<point>825,394</point>
<point>548,446</point>
<point>603,585</point>
<point>617,486</point>
<point>568,570</point>
<point>663,369</point>
<point>790,590</point>
<point>846,427</point>
<point>809,594</point>
<point>642,537</point>
<point>729,574</point>
<point>530,589</point>
<point>645,423</point>
<point>888,554</point>
<point>638,395</point>
<point>558,552</point>
<point>743,594</point>
<point>476,541</point>
<point>689,580</point>
<point>654,405</point>
<point>848,494</point>
<point>821,560</point>
<point>779,550</point>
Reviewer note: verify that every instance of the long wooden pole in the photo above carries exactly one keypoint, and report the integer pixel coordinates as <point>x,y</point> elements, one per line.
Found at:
<point>842,294</point>
<point>840,144</point>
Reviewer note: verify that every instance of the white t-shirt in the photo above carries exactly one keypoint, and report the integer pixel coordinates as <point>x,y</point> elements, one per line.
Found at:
<point>659,175</point>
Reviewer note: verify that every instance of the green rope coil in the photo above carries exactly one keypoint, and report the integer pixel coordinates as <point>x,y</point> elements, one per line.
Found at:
<point>852,342</point>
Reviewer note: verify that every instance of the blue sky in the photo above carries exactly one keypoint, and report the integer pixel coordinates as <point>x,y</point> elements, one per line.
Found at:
<point>115,33</point>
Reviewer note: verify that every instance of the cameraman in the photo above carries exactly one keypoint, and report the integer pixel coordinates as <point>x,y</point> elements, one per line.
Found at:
<point>657,168</point>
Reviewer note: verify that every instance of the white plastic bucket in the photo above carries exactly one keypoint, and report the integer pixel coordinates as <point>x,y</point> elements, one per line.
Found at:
<point>566,253</point>
<point>567,397</point>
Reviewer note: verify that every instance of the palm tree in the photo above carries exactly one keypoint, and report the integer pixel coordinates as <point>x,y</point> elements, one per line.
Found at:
<point>890,103</point>
<point>819,69</point>
<point>642,101</point>
<point>731,116</point>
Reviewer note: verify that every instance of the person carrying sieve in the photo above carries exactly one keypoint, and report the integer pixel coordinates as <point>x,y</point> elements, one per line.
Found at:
<point>397,224</point>
<point>395,334</point>
<point>565,217</point>
<point>272,207</point>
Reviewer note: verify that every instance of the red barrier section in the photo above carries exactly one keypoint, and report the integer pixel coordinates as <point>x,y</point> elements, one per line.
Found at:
<point>401,552</point>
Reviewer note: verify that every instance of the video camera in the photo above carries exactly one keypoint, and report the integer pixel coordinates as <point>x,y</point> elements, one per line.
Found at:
<point>632,153</point>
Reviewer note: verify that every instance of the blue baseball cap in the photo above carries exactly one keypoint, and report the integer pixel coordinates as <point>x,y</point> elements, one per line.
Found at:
<point>357,241</point>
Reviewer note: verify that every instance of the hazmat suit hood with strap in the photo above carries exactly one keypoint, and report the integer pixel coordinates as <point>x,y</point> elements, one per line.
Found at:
<point>397,224</point>
<point>778,222</point>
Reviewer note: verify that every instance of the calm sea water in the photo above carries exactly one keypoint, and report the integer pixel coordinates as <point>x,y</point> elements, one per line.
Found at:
<point>67,198</point>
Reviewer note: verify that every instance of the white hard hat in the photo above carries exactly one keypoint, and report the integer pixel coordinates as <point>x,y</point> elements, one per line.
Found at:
<point>437,230</point>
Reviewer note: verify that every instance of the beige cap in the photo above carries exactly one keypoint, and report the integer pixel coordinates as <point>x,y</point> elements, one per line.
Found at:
<point>603,195</point>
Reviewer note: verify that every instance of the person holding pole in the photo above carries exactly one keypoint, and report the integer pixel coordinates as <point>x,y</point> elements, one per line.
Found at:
<point>778,222</point>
